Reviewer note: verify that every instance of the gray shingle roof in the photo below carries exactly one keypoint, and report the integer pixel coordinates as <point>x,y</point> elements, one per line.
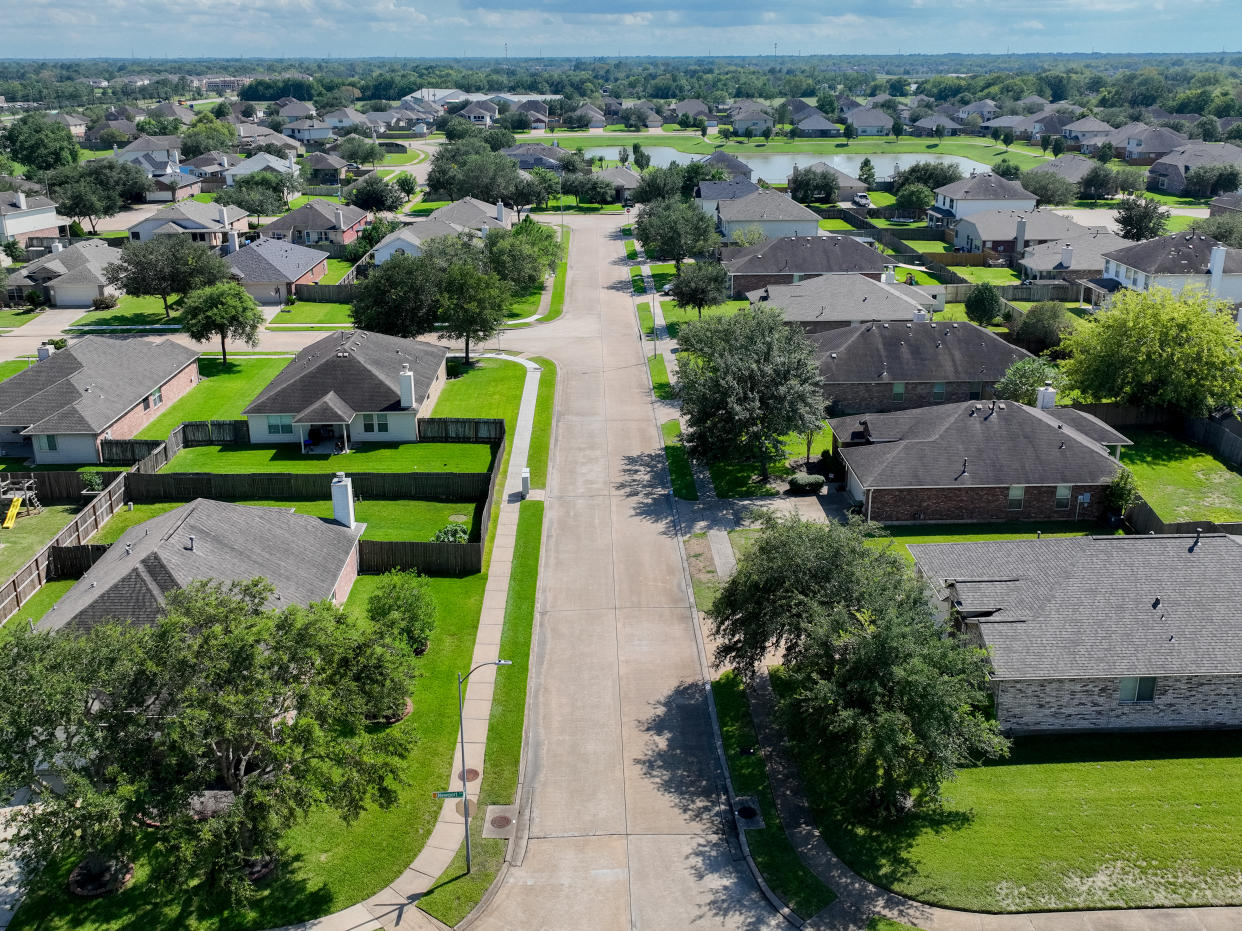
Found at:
<point>932,352</point>
<point>985,186</point>
<point>359,369</point>
<point>1098,606</point>
<point>1089,248</point>
<point>829,298</point>
<point>865,116</point>
<point>301,556</point>
<point>273,260</point>
<point>734,166</point>
<point>764,205</point>
<point>816,122</point>
<point>1005,444</point>
<point>1001,225</point>
<point>153,144</point>
<point>804,255</point>
<point>1089,124</point>
<point>91,256</point>
<point>1071,167</point>
<point>725,190</point>
<point>1176,254</point>
<point>87,387</point>
<point>316,215</point>
<point>322,160</point>
<point>420,231</point>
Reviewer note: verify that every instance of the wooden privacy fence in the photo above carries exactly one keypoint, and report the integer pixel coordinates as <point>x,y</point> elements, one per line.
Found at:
<point>462,429</point>
<point>186,486</point>
<point>1216,437</point>
<point>960,289</point>
<point>328,293</point>
<point>52,486</point>
<point>968,259</point>
<point>1142,519</point>
<point>376,556</point>
<point>71,562</point>
<point>152,455</point>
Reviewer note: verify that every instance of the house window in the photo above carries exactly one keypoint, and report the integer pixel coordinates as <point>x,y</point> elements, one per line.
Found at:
<point>46,442</point>
<point>1063,497</point>
<point>1015,497</point>
<point>938,391</point>
<point>279,423</point>
<point>156,397</point>
<point>374,423</point>
<point>899,391</point>
<point>381,423</point>
<point>976,390</point>
<point>1138,690</point>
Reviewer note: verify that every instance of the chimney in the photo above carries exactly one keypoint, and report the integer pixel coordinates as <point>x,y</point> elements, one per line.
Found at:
<point>340,218</point>
<point>343,500</point>
<point>1216,269</point>
<point>1019,239</point>
<point>890,275</point>
<point>406,383</point>
<point>114,148</point>
<point>21,199</point>
<point>500,212</point>
<point>57,246</point>
<point>233,245</point>
<point>1046,397</point>
<point>224,215</point>
<point>1067,256</point>
<point>293,161</point>
<point>45,351</point>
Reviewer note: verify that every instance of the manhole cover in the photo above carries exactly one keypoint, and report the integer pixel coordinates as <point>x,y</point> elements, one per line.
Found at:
<point>500,822</point>
<point>471,775</point>
<point>461,808</point>
<point>458,518</point>
<point>746,812</point>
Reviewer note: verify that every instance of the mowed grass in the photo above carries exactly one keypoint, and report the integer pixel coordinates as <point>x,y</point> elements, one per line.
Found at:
<point>900,536</point>
<point>928,245</point>
<point>660,383</point>
<point>11,319</point>
<point>364,457</point>
<point>33,609</point>
<point>303,199</point>
<point>1182,481</point>
<point>30,533</point>
<point>337,269</point>
<point>742,479</point>
<point>636,280</point>
<point>314,312</point>
<point>662,273</point>
<point>646,320</point>
<point>541,434</point>
<point>680,473</point>
<point>834,225</point>
<point>9,369</point>
<point>770,847</point>
<point>222,394</point>
<point>132,312</point>
<point>676,316</point>
<point>1067,822</point>
<point>631,251</point>
<point>980,274</point>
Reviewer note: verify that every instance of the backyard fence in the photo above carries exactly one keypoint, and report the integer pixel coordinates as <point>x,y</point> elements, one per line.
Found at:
<point>186,486</point>
<point>1042,291</point>
<point>968,259</point>
<point>335,250</point>
<point>1142,519</point>
<point>153,455</point>
<point>51,486</point>
<point>322,190</point>
<point>457,559</point>
<point>71,562</point>
<point>461,429</point>
<point>327,293</point>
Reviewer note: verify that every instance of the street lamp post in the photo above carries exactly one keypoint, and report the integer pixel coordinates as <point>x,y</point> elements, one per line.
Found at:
<point>461,717</point>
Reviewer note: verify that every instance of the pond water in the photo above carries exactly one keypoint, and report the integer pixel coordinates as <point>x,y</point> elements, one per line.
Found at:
<point>775,168</point>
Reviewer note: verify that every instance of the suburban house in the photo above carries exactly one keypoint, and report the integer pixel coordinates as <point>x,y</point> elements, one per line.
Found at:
<point>870,122</point>
<point>976,194</point>
<point>207,223</point>
<point>1070,166</point>
<point>153,154</point>
<point>1010,122</point>
<point>173,186</point>
<point>830,302</point>
<point>817,126</point>
<point>775,215</point>
<point>23,215</point>
<point>70,276</point>
<point>172,110</point>
<point>1009,232</point>
<point>530,155</point>
<point>847,186</point>
<point>1139,142</point>
<point>306,559</point>
<point>250,137</point>
<point>1177,261</point>
<point>1225,205</point>
<point>473,214</point>
<point>593,116</point>
<point>693,108</point>
<point>127,128</point>
<point>75,124</point>
<point>261,161</point>
<point>211,165</point>
<point>319,221</point>
<point>346,116</point>
<point>62,407</point>
<point>791,259</point>
<point>624,181</point>
<point>975,461</point>
<point>269,268</point>
<point>1169,173</point>
<point>1087,131</point>
<point>535,109</point>
<point>1102,633</point>
<point>1032,102</point>
<point>847,105</point>
<point>480,113</point>
<point>350,386</point>
<point>325,168</point>
<point>899,366</point>
<point>733,166</point>
<point>308,130</point>
<point>753,122</point>
<point>928,125</point>
<point>984,109</point>
<point>410,238</point>
<point>297,110</point>
<point>709,194</point>
<point>1074,259</point>
<point>1045,123</point>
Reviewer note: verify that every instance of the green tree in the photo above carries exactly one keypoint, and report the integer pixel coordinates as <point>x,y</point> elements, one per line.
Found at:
<point>548,185</point>
<point>164,266</point>
<point>701,285</point>
<point>883,695</point>
<point>224,309</point>
<point>39,143</point>
<point>360,150</point>
<point>1210,180</point>
<point>1048,188</point>
<point>81,200</point>
<point>897,130</point>
<point>866,172</point>
<point>1160,349</point>
<point>472,304</point>
<point>674,229</point>
<point>1140,218</point>
<point>940,132</point>
<point>813,186</point>
<point>1007,169</point>
<point>983,304</point>
<point>1044,142</point>
<point>1098,182</point>
<point>850,131</point>
<point>407,184</point>
<point>914,197</point>
<point>207,134</point>
<point>931,175</point>
<point>374,194</point>
<point>498,138</point>
<point>399,297</point>
<point>642,160</point>
<point>401,605</point>
<point>1007,137</point>
<point>1105,153</point>
<point>1045,324</point>
<point>524,255</point>
<point>262,193</point>
<point>1058,146</point>
<point>127,180</point>
<point>746,381</point>
<point>1023,379</point>
<point>659,184</point>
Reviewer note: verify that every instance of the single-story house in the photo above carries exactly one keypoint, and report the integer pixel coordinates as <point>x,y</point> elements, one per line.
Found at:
<point>1176,261</point>
<point>899,366</point>
<point>710,193</point>
<point>871,122</point>
<point>792,259</point>
<point>173,186</point>
<point>817,126</point>
<point>208,223</point>
<point>325,168</point>
<point>752,121</point>
<point>261,161</point>
<point>270,268</point>
<point>1087,131</point>
<point>593,116</point>
<point>847,186</point>
<point>1010,232</point>
<point>473,214</point>
<point>176,111</point>
<point>296,110</point>
<point>319,221</point>
<point>23,214</point>
<point>1225,205</point>
<point>733,166</point>
<point>127,128</point>
<point>350,386</point>
<point>693,108</point>
<point>1073,259</point>
<point>973,461</point>
<point>833,301</point>
<point>928,125</point>
<point>530,155</point>
<point>100,388</point>
<point>775,215</point>
<point>1168,174</point>
<point>70,276</point>
<point>410,238</point>
<point>1070,166</point>
<point>624,181</point>
<point>1103,633</point>
<point>306,558</point>
<point>975,194</point>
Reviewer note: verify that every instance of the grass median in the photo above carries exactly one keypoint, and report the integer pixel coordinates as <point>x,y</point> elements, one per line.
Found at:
<point>679,471</point>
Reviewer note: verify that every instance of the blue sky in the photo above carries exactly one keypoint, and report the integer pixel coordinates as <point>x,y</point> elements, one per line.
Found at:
<point>418,28</point>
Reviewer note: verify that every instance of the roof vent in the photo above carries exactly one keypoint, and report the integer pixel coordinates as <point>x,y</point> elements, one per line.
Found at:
<point>978,407</point>
<point>1000,407</point>
<point>1062,444</point>
<point>1155,604</point>
<point>955,326</point>
<point>832,355</point>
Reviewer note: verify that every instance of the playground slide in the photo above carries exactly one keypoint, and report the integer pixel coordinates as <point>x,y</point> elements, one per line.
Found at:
<point>11,518</point>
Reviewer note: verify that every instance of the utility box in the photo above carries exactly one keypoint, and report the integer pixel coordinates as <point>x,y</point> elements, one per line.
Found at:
<point>525,483</point>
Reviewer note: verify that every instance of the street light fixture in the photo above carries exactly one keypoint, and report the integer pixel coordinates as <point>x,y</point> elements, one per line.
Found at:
<point>461,718</point>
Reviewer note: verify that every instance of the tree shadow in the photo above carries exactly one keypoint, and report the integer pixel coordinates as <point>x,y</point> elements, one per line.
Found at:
<point>642,484</point>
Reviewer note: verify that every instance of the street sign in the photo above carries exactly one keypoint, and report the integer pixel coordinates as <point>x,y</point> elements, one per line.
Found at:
<point>457,794</point>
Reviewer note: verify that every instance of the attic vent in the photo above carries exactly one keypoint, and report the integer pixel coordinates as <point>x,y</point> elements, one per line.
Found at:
<point>955,326</point>
<point>832,355</point>
<point>909,326</point>
<point>978,407</point>
<point>1000,407</point>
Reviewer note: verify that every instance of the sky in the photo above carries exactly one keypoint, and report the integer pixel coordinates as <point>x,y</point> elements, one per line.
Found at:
<point>448,28</point>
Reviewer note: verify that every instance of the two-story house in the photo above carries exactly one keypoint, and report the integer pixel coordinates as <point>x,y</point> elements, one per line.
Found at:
<point>319,221</point>
<point>977,194</point>
<point>1176,262</point>
<point>23,215</point>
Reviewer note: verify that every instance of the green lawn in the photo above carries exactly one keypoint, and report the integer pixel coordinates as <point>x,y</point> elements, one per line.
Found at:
<point>631,250</point>
<point>1068,822</point>
<point>904,534</point>
<point>1177,200</point>
<point>526,305</point>
<point>834,225</point>
<point>303,199</point>
<point>920,276</point>
<point>365,457</point>
<point>557,305</point>
<point>11,319</point>
<point>662,273</point>
<point>457,892</point>
<point>385,519</point>
<point>337,269</point>
<point>131,312</point>
<point>408,157</point>
<point>204,198</point>
<point>35,607</point>
<point>741,479</point>
<point>770,847</point>
<point>979,274</point>
<point>887,224</point>
<point>314,312</point>
<point>9,369</point>
<point>1181,481</point>
<point>541,434</point>
<point>1178,222</point>
<point>882,198</point>
<point>660,384</point>
<point>423,207</point>
<point>646,321</point>
<point>928,245</point>
<point>32,532</point>
<point>222,394</point>
<point>636,280</point>
<point>878,923</point>
<point>678,462</point>
<point>956,311</point>
<point>676,316</point>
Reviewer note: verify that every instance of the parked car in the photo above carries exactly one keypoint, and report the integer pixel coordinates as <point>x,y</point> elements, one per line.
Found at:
<point>862,200</point>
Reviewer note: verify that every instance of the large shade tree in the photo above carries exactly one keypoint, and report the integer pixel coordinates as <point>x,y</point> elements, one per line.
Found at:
<point>164,266</point>
<point>224,310</point>
<point>675,229</point>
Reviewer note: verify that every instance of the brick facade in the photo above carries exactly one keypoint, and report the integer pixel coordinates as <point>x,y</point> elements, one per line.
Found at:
<point>346,580</point>
<point>130,423</point>
<point>877,397</point>
<point>973,503</point>
<point>744,284</point>
<point>1029,706</point>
